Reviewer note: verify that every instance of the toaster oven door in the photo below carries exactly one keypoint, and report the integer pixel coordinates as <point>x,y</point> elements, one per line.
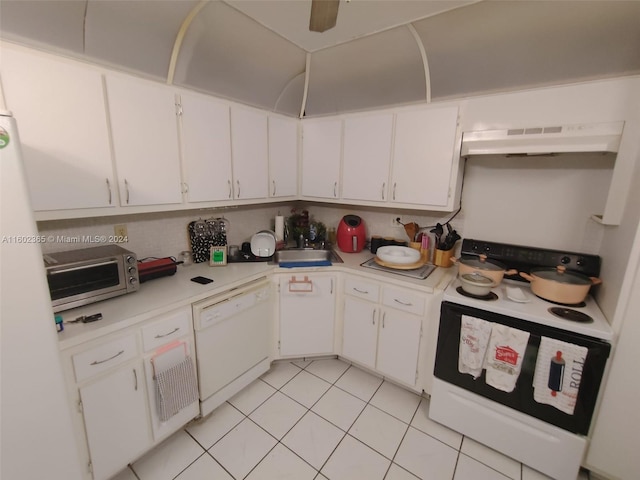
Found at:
<point>80,282</point>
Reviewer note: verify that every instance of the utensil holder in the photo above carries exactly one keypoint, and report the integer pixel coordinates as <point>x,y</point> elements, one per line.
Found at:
<point>442,258</point>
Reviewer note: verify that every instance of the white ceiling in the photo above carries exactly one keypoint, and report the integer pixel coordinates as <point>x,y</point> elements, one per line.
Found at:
<point>380,53</point>
<point>356,18</point>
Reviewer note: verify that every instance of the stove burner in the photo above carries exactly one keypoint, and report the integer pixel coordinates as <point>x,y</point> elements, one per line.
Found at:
<point>488,297</point>
<point>569,314</point>
<point>573,305</point>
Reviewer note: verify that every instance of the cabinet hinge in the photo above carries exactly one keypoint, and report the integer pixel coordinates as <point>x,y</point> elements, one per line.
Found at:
<point>278,345</point>
<point>178,109</point>
<point>416,379</point>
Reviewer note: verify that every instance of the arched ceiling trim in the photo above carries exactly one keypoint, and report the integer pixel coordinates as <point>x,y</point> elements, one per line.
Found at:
<point>287,88</point>
<point>307,71</point>
<point>425,62</point>
<point>180,37</point>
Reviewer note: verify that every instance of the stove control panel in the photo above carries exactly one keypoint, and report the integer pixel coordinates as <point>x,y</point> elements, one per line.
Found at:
<point>525,258</point>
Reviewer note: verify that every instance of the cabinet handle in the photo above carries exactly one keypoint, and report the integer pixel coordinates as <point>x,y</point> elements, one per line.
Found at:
<point>366,292</point>
<point>394,190</point>
<point>373,317</point>
<point>126,187</point>
<point>331,286</point>
<point>384,315</point>
<point>403,303</point>
<point>384,184</point>
<point>98,362</point>
<point>335,189</point>
<point>238,184</point>
<point>109,189</point>
<point>274,188</point>
<point>135,378</point>
<point>167,334</point>
<point>229,184</point>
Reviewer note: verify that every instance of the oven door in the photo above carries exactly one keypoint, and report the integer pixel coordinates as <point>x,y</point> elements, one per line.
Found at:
<point>72,286</point>
<point>521,398</point>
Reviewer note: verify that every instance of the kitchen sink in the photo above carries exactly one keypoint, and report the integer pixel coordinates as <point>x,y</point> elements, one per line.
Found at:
<point>305,255</point>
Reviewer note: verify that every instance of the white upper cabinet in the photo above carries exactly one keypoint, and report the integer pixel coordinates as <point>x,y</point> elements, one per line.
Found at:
<point>60,111</point>
<point>367,155</point>
<point>206,148</point>
<point>283,157</point>
<point>321,157</point>
<point>249,150</point>
<point>423,157</point>
<point>145,141</point>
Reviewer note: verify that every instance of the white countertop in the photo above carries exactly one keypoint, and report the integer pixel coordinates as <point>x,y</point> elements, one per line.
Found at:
<point>161,295</point>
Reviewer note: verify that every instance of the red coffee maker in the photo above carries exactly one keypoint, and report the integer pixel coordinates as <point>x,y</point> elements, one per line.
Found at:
<point>351,234</point>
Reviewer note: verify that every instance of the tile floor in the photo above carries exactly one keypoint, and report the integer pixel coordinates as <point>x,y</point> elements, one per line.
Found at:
<point>323,419</point>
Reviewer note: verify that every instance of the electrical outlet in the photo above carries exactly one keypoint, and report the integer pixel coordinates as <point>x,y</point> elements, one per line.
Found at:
<point>120,233</point>
<point>396,221</point>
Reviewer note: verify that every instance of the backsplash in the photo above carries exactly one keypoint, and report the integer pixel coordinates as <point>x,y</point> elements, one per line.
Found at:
<point>165,233</point>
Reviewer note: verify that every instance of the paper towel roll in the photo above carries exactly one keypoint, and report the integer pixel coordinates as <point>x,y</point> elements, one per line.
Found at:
<point>279,228</point>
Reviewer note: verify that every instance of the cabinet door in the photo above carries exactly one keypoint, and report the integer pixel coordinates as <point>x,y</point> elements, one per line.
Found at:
<point>145,141</point>
<point>116,420</point>
<point>206,148</point>
<point>249,151</point>
<point>283,157</point>
<point>423,156</point>
<point>360,331</point>
<point>59,107</point>
<point>307,311</point>
<point>367,155</point>
<point>321,154</point>
<point>398,345</point>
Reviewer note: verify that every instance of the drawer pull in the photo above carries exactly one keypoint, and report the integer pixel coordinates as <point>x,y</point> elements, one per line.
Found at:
<point>365,292</point>
<point>403,303</point>
<point>135,377</point>
<point>167,334</point>
<point>98,362</point>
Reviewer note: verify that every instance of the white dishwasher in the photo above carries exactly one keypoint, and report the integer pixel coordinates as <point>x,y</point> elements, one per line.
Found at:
<point>232,332</point>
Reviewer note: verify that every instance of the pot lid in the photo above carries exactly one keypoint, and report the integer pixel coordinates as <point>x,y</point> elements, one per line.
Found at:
<point>482,263</point>
<point>477,279</point>
<point>561,275</point>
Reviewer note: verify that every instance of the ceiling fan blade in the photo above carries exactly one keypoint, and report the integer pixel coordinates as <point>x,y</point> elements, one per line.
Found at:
<point>324,14</point>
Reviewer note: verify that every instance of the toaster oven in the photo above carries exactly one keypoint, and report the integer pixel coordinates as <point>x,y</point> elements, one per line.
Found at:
<point>80,277</point>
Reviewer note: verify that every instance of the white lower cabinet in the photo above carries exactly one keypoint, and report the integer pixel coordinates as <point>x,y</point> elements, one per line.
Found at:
<point>383,333</point>
<point>307,314</point>
<point>114,383</point>
<point>116,419</point>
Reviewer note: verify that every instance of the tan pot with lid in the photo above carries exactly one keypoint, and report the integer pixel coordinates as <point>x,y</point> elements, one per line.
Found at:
<point>560,286</point>
<point>487,268</point>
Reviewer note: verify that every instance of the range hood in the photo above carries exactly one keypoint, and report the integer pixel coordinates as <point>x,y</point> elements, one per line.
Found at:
<point>593,137</point>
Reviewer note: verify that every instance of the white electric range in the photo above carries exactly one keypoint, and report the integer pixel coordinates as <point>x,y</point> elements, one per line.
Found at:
<point>532,388</point>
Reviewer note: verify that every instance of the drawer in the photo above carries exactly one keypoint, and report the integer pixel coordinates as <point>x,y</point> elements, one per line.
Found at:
<point>404,300</point>
<point>169,327</point>
<point>361,288</point>
<point>104,357</point>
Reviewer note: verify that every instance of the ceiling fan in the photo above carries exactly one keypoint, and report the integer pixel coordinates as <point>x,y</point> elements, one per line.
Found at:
<point>323,15</point>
